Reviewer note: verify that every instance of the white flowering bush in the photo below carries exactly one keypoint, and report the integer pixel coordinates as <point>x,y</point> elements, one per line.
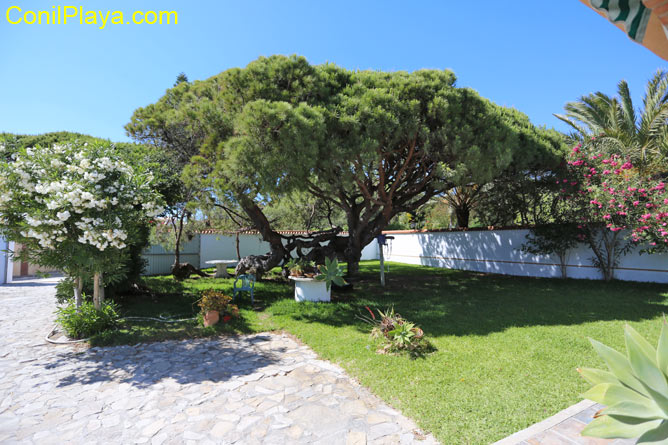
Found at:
<point>74,206</point>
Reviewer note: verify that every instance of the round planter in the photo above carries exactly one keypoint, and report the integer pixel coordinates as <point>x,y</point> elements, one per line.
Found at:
<point>211,318</point>
<point>310,289</point>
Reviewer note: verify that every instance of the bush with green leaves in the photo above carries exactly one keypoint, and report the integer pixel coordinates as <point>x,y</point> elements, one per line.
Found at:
<point>395,333</point>
<point>634,390</point>
<point>552,239</point>
<point>87,320</point>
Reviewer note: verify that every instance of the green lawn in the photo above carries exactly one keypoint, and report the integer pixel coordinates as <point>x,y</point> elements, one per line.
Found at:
<point>507,347</point>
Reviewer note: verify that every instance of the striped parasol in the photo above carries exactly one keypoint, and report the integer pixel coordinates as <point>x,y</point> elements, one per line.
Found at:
<point>644,21</point>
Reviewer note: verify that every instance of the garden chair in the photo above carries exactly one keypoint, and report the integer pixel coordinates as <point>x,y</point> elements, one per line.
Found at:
<point>247,285</point>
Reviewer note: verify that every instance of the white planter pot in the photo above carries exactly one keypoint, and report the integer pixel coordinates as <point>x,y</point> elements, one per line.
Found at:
<point>310,289</point>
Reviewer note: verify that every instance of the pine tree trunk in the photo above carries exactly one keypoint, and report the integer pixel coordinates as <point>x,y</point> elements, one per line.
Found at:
<point>353,268</point>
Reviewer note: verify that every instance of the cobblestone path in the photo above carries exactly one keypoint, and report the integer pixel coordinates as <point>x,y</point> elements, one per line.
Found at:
<point>263,388</point>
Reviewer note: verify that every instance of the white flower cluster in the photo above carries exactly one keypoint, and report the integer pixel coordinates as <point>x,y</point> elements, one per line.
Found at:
<point>76,193</point>
<point>96,234</point>
<point>43,222</point>
<point>45,239</point>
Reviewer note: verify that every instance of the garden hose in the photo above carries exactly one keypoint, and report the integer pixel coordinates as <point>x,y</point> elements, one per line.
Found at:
<point>161,319</point>
<point>67,342</point>
<point>62,342</point>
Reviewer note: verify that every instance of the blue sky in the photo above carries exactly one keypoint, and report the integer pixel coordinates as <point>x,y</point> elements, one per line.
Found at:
<point>533,55</point>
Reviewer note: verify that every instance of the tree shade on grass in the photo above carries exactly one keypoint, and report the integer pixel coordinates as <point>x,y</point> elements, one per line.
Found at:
<point>507,347</point>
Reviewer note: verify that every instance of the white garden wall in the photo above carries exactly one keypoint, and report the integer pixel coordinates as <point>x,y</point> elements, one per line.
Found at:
<point>223,247</point>
<point>498,251</point>
<point>207,246</point>
<point>159,260</point>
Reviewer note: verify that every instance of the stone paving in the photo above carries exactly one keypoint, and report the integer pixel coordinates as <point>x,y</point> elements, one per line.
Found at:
<point>264,388</point>
<point>563,428</point>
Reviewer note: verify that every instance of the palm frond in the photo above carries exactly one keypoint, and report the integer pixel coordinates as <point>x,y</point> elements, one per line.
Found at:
<point>638,134</point>
<point>580,131</point>
<point>628,114</point>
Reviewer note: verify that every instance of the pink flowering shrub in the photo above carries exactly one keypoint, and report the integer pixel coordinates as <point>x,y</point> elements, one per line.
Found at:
<point>608,190</point>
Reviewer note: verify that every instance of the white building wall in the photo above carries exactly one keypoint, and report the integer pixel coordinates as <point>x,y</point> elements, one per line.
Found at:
<point>4,261</point>
<point>499,252</point>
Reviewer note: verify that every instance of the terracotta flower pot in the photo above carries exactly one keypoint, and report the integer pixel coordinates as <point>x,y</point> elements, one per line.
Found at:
<point>211,318</point>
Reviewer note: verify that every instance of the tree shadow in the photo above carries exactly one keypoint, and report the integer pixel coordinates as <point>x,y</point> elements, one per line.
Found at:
<point>453,302</point>
<point>182,362</point>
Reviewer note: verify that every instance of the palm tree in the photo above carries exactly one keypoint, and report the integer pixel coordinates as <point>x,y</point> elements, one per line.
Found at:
<point>641,135</point>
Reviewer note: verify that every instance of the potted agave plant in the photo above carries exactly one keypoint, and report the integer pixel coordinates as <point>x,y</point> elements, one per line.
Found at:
<point>319,287</point>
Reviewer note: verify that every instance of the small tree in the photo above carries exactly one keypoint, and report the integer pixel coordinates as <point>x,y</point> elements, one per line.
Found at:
<point>173,126</point>
<point>553,239</point>
<point>75,207</point>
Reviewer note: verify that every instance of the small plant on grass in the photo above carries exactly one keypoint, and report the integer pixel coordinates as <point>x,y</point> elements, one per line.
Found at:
<point>634,390</point>
<point>331,272</point>
<point>87,321</point>
<point>395,333</point>
<point>213,300</point>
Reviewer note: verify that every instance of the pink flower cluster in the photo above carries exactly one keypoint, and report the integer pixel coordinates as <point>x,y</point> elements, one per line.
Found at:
<point>610,191</point>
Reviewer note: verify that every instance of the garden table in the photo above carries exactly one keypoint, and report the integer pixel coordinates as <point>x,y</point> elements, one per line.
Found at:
<point>221,267</point>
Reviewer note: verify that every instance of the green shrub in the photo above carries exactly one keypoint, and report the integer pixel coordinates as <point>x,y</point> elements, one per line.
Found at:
<point>396,334</point>
<point>64,290</point>
<point>88,321</point>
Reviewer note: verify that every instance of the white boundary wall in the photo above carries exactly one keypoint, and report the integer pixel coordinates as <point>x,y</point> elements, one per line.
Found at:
<point>498,251</point>
<point>207,247</point>
<point>223,247</point>
<point>159,261</point>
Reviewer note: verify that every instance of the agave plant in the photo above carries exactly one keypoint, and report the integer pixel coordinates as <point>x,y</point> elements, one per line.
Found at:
<point>330,272</point>
<point>634,389</point>
<point>402,335</point>
<point>395,333</point>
